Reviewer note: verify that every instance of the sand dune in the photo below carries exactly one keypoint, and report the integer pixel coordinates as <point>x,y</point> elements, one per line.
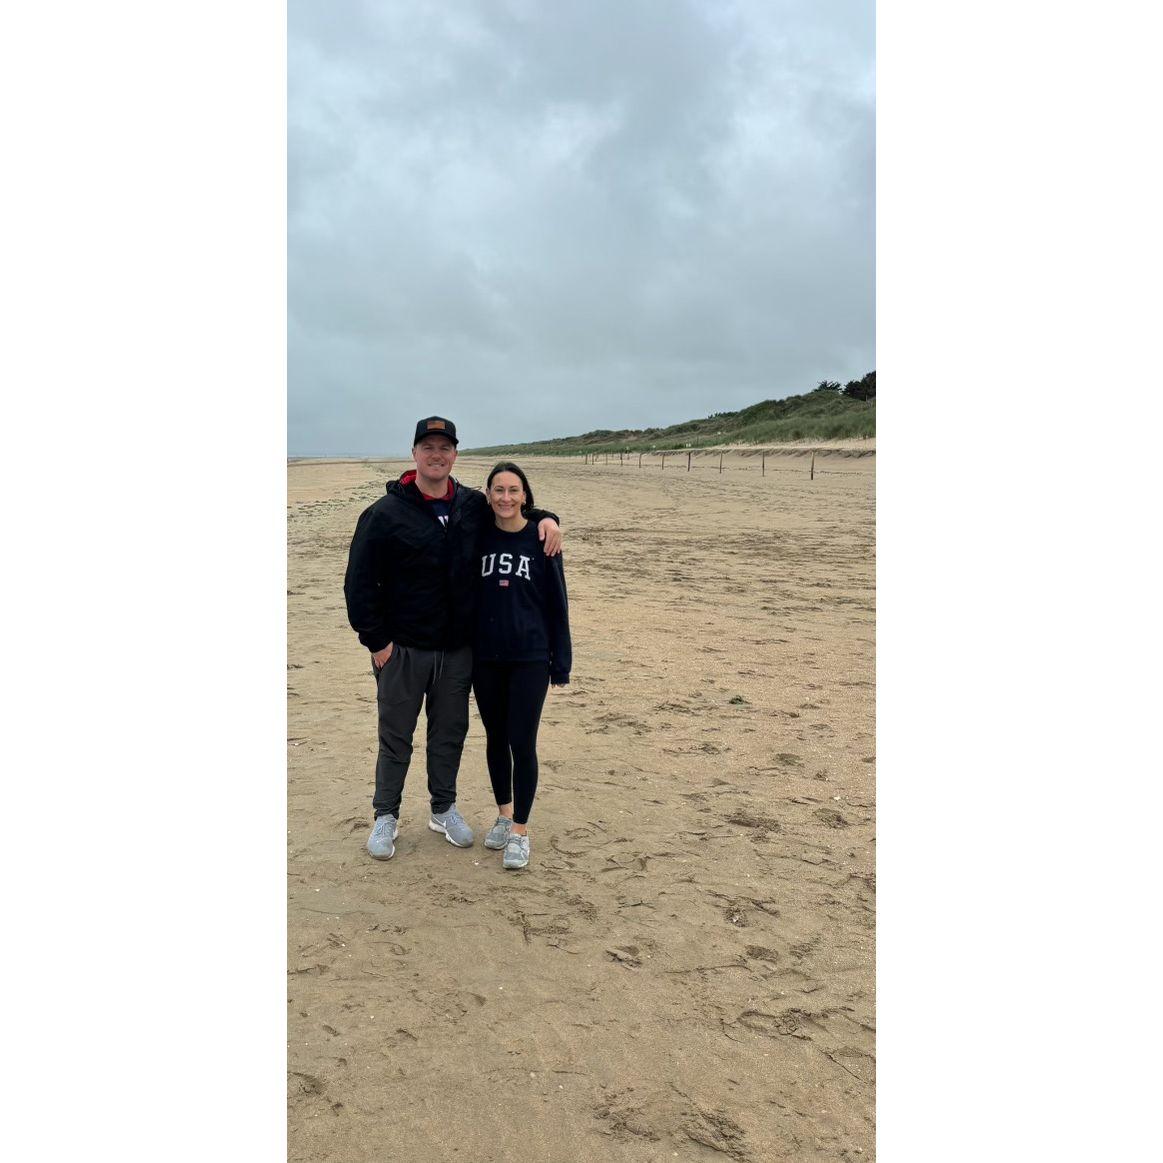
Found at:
<point>686,969</point>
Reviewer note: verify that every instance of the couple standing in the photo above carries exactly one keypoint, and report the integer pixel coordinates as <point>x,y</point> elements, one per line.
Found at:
<point>448,587</point>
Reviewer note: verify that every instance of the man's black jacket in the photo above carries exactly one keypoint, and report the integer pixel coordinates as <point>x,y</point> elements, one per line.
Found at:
<point>412,580</point>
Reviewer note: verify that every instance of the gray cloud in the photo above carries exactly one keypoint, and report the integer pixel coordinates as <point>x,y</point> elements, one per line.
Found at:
<point>546,218</point>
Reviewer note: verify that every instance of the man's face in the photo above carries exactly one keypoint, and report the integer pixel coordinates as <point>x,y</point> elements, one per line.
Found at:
<point>434,457</point>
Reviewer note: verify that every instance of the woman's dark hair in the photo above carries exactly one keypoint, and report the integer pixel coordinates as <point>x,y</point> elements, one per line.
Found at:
<point>509,466</point>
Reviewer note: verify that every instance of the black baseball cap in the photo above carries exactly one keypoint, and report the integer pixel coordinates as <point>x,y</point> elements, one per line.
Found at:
<point>435,426</point>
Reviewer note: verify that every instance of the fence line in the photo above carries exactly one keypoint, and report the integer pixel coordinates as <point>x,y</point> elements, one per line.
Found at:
<point>591,459</point>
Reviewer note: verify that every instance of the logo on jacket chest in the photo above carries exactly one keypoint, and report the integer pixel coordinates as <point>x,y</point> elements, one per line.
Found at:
<point>503,564</point>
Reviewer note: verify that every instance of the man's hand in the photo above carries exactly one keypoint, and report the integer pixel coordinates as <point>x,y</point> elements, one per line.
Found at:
<point>380,658</point>
<point>549,531</point>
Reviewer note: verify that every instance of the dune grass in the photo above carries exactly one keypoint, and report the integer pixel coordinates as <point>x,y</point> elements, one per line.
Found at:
<point>822,414</point>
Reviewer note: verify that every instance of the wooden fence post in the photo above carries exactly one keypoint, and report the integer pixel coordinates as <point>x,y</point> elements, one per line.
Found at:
<point>763,465</point>
<point>664,460</point>
<point>640,460</point>
<point>688,462</point>
<point>720,464</point>
<point>813,476</point>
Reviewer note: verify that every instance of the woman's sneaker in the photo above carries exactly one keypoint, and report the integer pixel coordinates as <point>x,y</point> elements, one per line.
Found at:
<point>380,843</point>
<point>498,835</point>
<point>516,852</point>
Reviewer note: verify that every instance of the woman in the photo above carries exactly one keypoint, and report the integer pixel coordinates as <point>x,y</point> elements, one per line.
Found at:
<point>522,645</point>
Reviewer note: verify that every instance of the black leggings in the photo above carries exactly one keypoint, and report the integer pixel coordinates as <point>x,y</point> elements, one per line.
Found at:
<point>510,696</point>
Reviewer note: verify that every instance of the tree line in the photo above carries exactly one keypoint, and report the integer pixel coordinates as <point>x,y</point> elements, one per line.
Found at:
<point>861,389</point>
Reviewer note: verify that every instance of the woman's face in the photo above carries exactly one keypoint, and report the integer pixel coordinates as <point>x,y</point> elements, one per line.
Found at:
<point>506,496</point>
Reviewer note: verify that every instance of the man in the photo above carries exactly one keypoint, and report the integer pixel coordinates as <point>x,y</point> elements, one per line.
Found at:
<point>410,590</point>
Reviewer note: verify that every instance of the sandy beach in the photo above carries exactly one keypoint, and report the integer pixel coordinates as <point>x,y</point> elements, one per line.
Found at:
<point>686,969</point>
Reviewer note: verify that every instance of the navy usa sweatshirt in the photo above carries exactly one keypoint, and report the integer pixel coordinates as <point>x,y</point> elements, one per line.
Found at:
<point>523,610</point>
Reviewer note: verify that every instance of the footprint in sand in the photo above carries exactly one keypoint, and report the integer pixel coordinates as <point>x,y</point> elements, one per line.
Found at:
<point>761,953</point>
<point>831,817</point>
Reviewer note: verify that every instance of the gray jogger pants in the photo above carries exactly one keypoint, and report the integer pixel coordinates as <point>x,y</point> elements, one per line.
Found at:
<point>440,680</point>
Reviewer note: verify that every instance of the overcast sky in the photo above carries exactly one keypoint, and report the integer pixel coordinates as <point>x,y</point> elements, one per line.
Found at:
<point>541,218</point>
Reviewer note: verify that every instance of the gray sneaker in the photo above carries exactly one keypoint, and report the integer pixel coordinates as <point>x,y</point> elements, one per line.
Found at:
<point>381,843</point>
<point>516,852</point>
<point>452,824</point>
<point>498,835</point>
